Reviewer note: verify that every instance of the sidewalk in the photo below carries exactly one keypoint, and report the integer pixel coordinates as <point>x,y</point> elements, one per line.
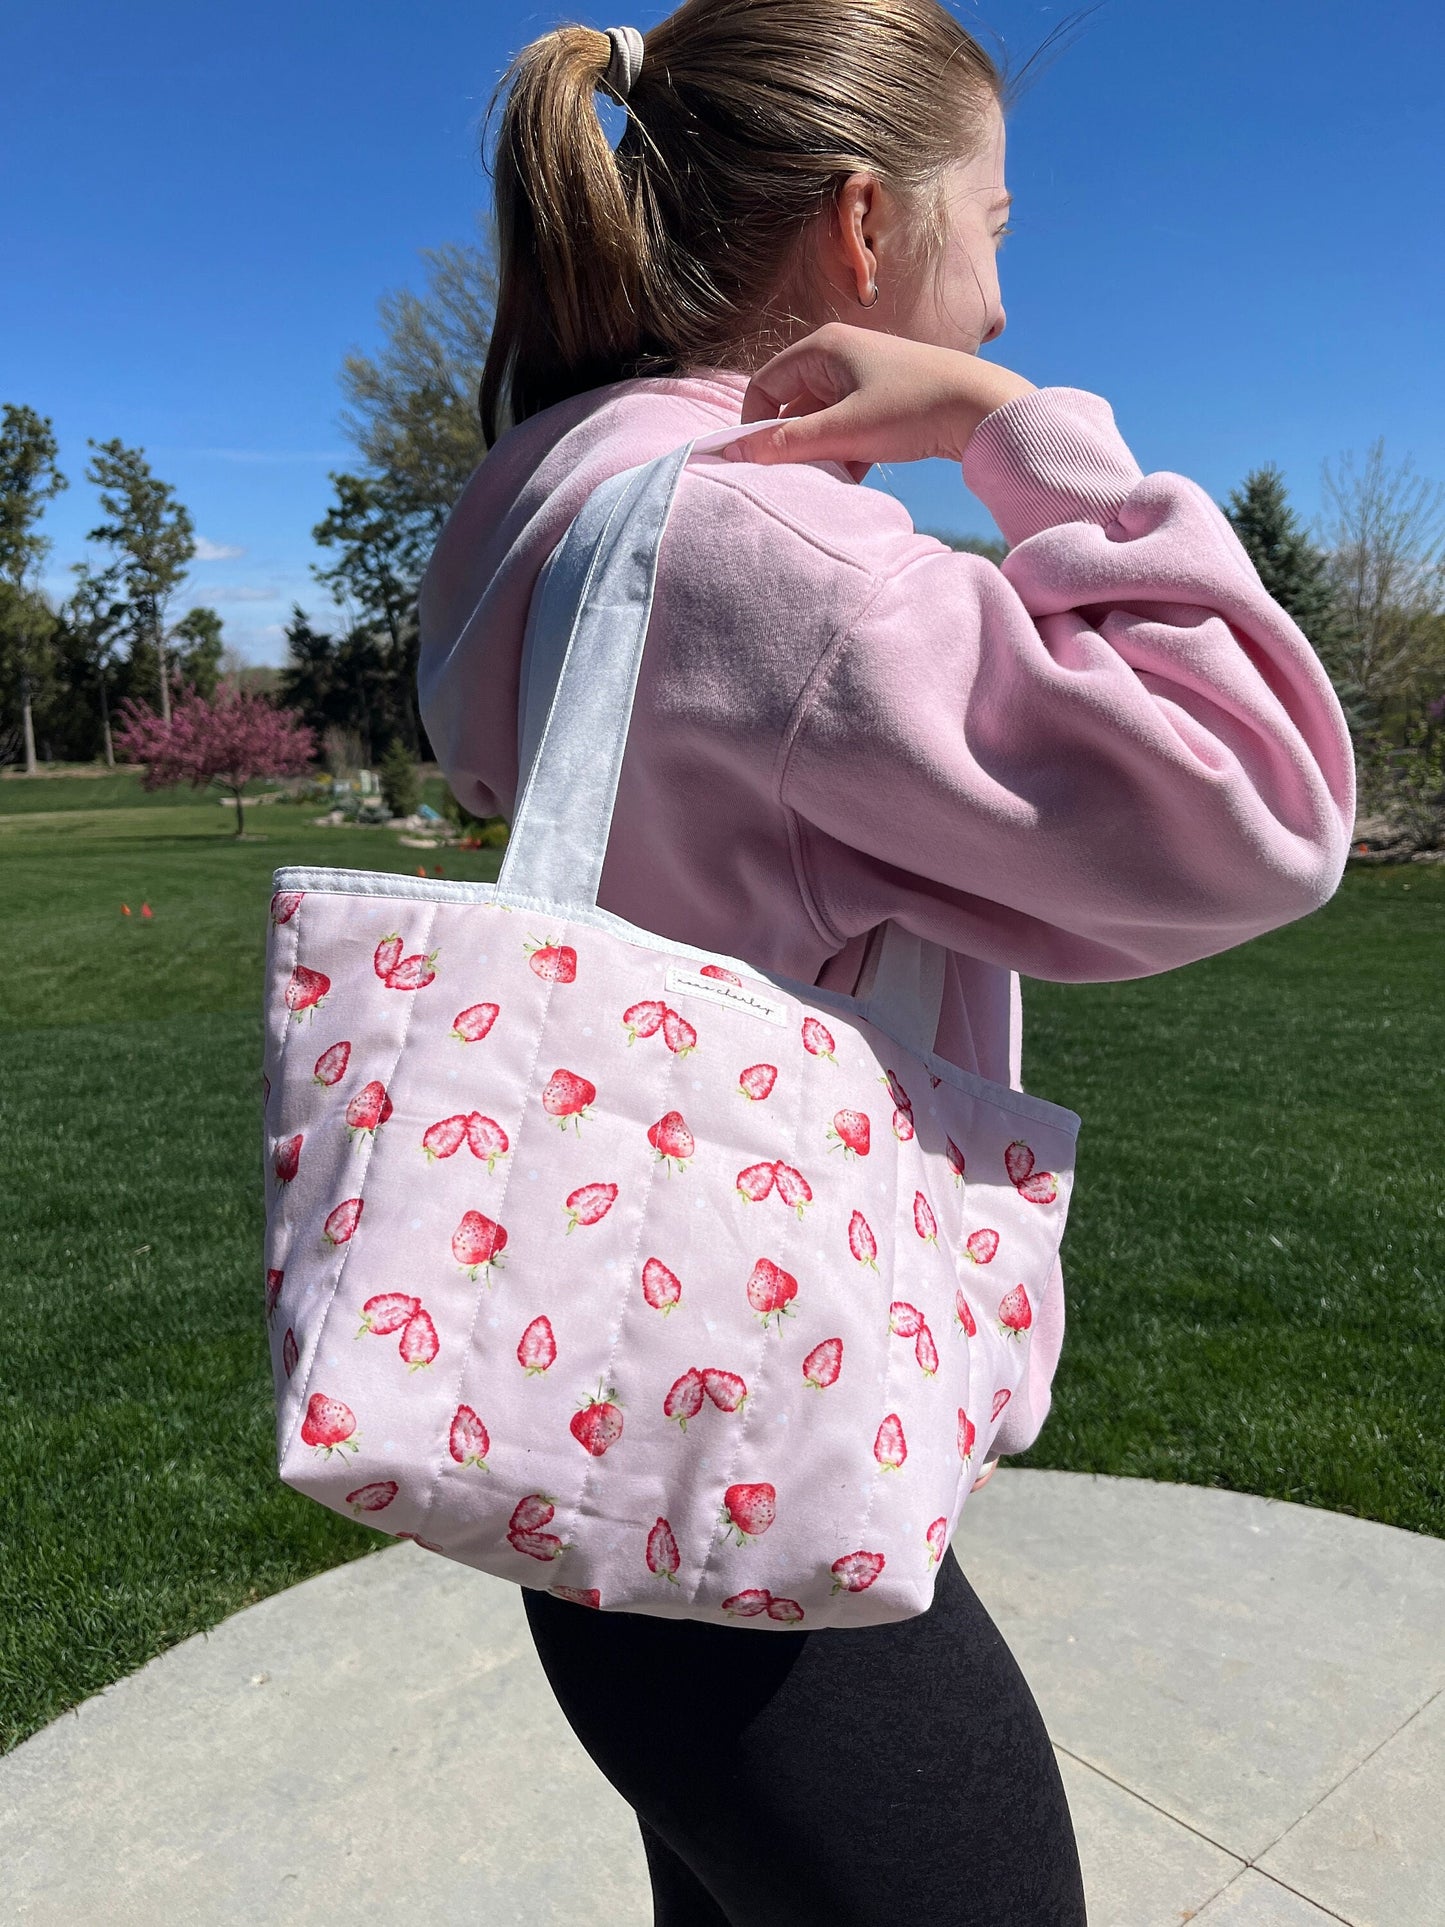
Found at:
<point>1245,1697</point>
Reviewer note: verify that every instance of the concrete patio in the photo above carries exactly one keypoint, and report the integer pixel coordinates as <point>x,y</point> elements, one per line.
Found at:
<point>1245,1697</point>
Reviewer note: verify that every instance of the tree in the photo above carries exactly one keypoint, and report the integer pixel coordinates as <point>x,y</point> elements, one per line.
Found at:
<point>379,563</point>
<point>154,539</point>
<point>228,743</point>
<point>344,684</point>
<point>28,479</point>
<point>400,780</point>
<point>198,661</point>
<point>94,622</point>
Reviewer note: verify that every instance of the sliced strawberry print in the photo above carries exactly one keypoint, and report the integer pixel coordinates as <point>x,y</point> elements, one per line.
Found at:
<point>556,963</point>
<point>566,1095</point>
<point>890,1448</point>
<point>537,1347</point>
<point>954,1156</point>
<point>726,1390</point>
<point>589,1203</point>
<point>599,1423</point>
<point>644,1019</point>
<point>660,1287</point>
<point>579,1595</point>
<point>389,1312</point>
<point>372,1498</point>
<point>1001,1398</point>
<point>861,1242</point>
<point>414,973</point>
<point>903,1126</point>
<point>818,1039</point>
<point>285,904</point>
<point>896,1091</point>
<point>1039,1187</point>
<point>369,1108</point>
<point>468,1443</point>
<point>342,1222</point>
<point>823,1364</point>
<point>937,1537</point>
<point>748,1603</point>
<point>471,1025</point>
<point>924,1222</point>
<point>531,1513</point>
<point>273,1292</point>
<point>904,1321</point>
<point>329,1425</point>
<point>771,1291</point>
<point>305,990</point>
<point>672,1140</point>
<point>792,1187</point>
<point>965,1435</point>
<point>856,1571</point>
<point>757,1080</point>
<point>537,1545</point>
<point>755,1181</point>
<point>1018,1161</point>
<point>786,1610</point>
<point>1015,1314</point>
<point>290,1357</point>
<point>478,1240</point>
<point>684,1398</point>
<point>387,955</point>
<point>981,1246</point>
<point>662,1553</point>
<point>418,1345</point>
<point>678,1034</point>
<point>444,1138</point>
<point>724,976</point>
<point>963,1313</point>
<point>749,1510</point>
<point>486,1139</point>
<point>331,1064</point>
<point>288,1158</point>
<point>926,1352</point>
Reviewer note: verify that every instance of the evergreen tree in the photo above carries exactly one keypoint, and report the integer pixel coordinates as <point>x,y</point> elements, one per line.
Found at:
<point>28,479</point>
<point>154,540</point>
<point>198,660</point>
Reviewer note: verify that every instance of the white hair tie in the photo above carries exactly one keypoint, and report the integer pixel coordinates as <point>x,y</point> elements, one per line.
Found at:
<point>626,61</point>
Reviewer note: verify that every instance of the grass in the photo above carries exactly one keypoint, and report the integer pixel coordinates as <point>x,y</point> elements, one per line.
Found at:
<point>1256,1294</point>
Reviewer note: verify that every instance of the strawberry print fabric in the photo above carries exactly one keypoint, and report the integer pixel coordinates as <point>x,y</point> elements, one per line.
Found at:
<point>665,1303</point>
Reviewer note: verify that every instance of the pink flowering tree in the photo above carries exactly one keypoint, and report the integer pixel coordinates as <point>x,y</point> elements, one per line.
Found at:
<point>227,742</point>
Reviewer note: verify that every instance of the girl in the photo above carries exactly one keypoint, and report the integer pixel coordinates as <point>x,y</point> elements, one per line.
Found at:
<point>1108,757</point>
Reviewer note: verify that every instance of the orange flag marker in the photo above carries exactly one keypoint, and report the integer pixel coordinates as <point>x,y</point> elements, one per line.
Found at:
<point>146,910</point>
<point>125,909</point>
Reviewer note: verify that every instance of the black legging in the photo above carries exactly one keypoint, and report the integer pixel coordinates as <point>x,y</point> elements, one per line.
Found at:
<point>896,1774</point>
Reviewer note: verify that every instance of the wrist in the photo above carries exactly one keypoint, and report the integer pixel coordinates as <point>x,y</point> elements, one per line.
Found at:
<point>983,389</point>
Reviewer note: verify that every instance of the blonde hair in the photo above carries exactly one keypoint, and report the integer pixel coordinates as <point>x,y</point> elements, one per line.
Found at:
<point>688,245</point>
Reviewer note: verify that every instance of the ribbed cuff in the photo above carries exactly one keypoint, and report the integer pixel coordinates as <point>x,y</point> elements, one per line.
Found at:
<point>1051,455</point>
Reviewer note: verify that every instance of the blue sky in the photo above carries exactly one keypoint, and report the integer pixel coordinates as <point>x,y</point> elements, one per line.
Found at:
<point>1227,222</point>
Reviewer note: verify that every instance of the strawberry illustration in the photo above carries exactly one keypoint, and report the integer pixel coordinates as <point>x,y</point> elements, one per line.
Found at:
<point>662,1554</point>
<point>1001,1398</point>
<point>684,1398</point>
<point>793,1188</point>
<point>599,1423</point>
<point>678,1034</point>
<point>1018,1161</point>
<point>285,904</point>
<point>288,1158</point>
<point>579,1595</point>
<point>672,1140</point>
<point>926,1352</point>
<point>716,970</point>
<point>290,1357</point>
<point>478,1240</point>
<point>981,1246</point>
<point>565,1095</point>
<point>748,1603</point>
<point>757,1080</point>
<point>755,1181</point>
<point>329,1425</point>
<point>890,1448</point>
<point>726,1390</point>
<point>786,1610</point>
<point>934,1081</point>
<point>442,1139</point>
<point>903,1126</point>
<point>823,1364</point>
<point>414,973</point>
<point>861,1242</point>
<point>660,1287</point>
<point>963,1312</point>
<point>965,1435</point>
<point>850,1130</point>
<point>273,1292</point>
<point>896,1091</point>
<point>372,1498</point>
<point>537,1545</point>
<point>331,1064</point>
<point>532,1513</point>
<point>342,1222</point>
<point>486,1139</point>
<point>1015,1314</point>
<point>590,1202</point>
<point>467,1440</point>
<point>418,1345</point>
<point>369,1108</point>
<point>904,1321</point>
<point>644,1019</point>
<point>771,1291</point>
<point>1039,1187</point>
<point>469,1026</point>
<point>537,1347</point>
<point>748,1510</point>
<point>305,990</point>
<point>856,1571</point>
<point>818,1039</point>
<point>937,1537</point>
<point>387,1313</point>
<point>554,962</point>
<point>924,1222</point>
<point>954,1156</point>
<point>387,956</point>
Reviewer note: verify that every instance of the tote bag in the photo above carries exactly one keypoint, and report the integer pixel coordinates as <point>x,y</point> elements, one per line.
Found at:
<point>616,1266</point>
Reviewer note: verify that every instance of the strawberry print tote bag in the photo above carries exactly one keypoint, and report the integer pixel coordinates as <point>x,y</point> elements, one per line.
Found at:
<point>618,1267</point>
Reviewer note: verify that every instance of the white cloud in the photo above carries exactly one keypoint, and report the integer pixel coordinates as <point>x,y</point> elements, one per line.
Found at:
<point>207,551</point>
<point>236,592</point>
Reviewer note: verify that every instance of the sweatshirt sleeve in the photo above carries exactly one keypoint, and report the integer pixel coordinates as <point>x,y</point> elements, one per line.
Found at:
<point>1108,756</point>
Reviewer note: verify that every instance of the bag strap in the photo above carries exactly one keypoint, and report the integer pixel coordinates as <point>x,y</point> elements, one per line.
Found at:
<point>586,630</point>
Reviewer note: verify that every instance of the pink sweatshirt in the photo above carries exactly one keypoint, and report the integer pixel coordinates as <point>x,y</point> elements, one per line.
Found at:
<point>1112,755</point>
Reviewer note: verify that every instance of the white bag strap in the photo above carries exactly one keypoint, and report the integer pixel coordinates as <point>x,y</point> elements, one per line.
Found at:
<point>586,630</point>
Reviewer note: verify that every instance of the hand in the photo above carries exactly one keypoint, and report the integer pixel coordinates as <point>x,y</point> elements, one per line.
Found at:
<point>862,396</point>
<point>986,1474</point>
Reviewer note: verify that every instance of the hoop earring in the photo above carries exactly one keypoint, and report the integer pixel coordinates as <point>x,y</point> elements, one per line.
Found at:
<point>874,302</point>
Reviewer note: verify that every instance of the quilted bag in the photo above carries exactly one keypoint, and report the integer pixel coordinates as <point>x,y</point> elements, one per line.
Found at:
<point>616,1266</point>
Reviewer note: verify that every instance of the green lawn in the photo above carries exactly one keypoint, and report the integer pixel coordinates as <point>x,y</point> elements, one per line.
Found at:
<point>1253,1260</point>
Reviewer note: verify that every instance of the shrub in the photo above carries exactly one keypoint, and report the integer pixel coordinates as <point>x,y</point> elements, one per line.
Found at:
<point>400,780</point>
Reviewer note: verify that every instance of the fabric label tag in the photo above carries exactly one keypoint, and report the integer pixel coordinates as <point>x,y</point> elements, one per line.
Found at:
<point>720,991</point>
